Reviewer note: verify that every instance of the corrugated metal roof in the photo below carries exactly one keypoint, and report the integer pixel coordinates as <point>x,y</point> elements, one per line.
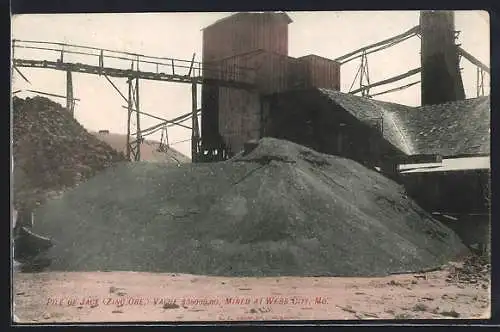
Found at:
<point>451,164</point>
<point>450,129</point>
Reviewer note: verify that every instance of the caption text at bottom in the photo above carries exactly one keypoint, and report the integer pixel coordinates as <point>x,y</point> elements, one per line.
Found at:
<point>95,301</point>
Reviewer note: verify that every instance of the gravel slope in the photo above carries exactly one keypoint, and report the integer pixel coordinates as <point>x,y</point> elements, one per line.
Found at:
<point>283,209</point>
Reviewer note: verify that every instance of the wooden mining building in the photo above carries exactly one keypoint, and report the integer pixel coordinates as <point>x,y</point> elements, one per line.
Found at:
<point>439,151</point>
<point>258,41</point>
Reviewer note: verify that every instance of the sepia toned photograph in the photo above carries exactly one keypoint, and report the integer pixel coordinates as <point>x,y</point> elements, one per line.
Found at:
<point>250,166</point>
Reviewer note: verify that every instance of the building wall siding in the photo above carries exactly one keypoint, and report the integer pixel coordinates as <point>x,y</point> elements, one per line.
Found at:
<point>239,34</point>
<point>253,48</point>
<point>321,72</point>
<point>239,117</point>
<point>306,118</point>
<point>240,111</point>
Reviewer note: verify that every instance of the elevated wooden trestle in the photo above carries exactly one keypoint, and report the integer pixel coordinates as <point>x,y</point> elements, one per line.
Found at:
<point>166,70</point>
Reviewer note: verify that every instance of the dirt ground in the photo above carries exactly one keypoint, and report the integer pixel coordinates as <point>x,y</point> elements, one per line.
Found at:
<point>132,296</point>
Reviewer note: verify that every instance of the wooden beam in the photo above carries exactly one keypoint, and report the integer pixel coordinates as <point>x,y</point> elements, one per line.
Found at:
<point>172,122</point>
<point>22,75</point>
<point>389,80</point>
<point>191,66</point>
<point>47,94</point>
<point>394,89</point>
<point>17,43</point>
<point>473,60</point>
<point>156,127</point>
<point>116,88</point>
<point>156,117</point>
<point>116,72</point>
<point>413,30</point>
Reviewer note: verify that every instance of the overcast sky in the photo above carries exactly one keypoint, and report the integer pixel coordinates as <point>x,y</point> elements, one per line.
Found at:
<point>179,35</point>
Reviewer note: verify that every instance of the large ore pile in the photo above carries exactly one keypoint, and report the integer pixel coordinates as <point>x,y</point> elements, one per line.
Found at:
<point>52,151</point>
<point>281,209</point>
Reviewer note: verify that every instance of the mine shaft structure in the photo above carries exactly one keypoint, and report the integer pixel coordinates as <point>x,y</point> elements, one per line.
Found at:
<point>260,40</point>
<point>142,67</point>
<point>441,79</point>
<point>225,65</point>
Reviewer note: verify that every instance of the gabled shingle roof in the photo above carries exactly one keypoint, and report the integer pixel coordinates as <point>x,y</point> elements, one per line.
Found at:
<point>454,128</point>
<point>450,129</point>
<point>370,111</point>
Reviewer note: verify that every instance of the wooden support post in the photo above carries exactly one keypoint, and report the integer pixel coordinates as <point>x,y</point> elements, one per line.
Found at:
<point>482,82</point>
<point>101,61</point>
<point>138,119</point>
<point>362,66</point>
<point>194,126</point>
<point>134,147</point>
<point>191,66</point>
<point>69,93</point>
<point>366,75</point>
<point>12,63</point>
<point>129,114</point>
